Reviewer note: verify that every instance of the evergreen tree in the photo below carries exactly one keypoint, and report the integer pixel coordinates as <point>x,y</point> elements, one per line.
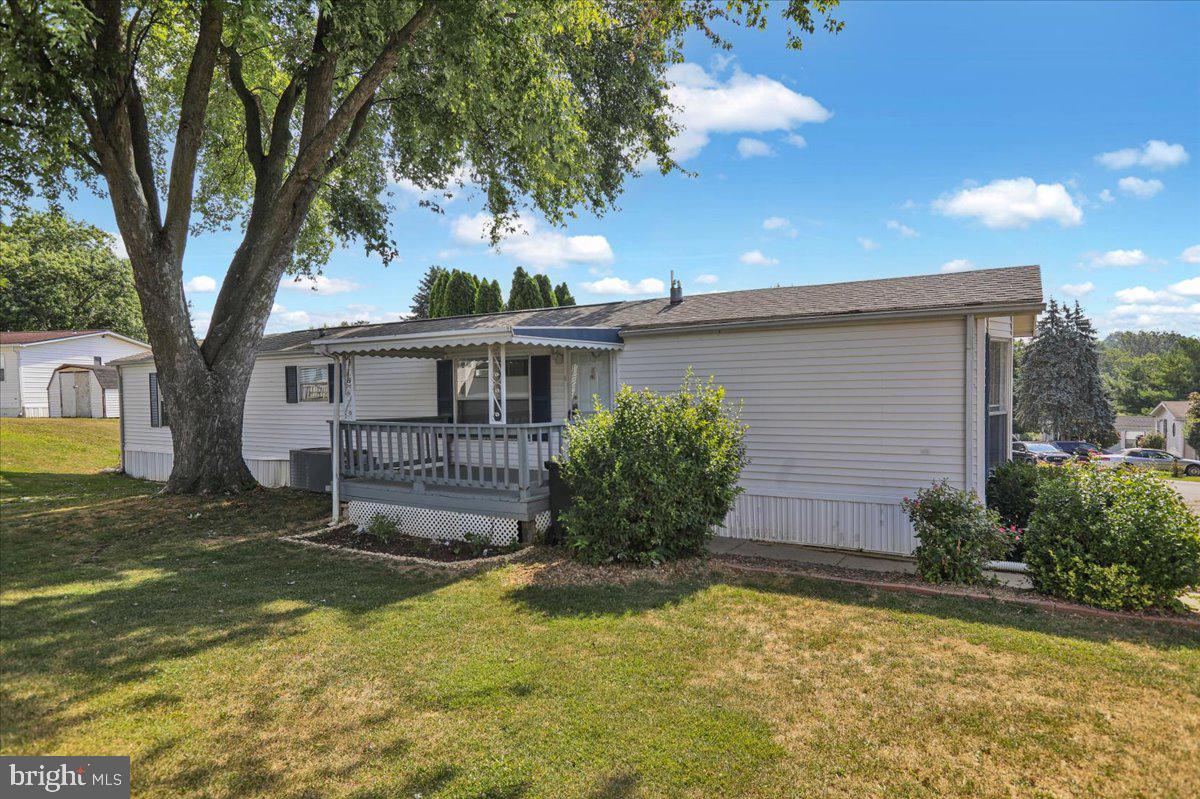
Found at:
<point>523,293</point>
<point>549,300</point>
<point>460,294</point>
<point>563,294</point>
<point>488,298</point>
<point>421,300</point>
<point>1060,391</point>
<point>437,295</point>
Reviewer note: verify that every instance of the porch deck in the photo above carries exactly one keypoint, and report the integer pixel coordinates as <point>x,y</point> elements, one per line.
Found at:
<point>494,470</point>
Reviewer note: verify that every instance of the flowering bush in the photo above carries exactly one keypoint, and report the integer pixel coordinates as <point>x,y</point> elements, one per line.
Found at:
<point>651,478</point>
<point>1113,538</point>
<point>957,534</point>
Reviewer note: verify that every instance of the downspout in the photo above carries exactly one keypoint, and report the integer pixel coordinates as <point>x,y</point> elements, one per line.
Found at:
<point>121,412</point>
<point>335,448</point>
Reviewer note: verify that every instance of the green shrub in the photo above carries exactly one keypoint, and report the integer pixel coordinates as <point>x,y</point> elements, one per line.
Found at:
<point>1011,491</point>
<point>382,528</point>
<point>1153,441</point>
<point>652,477</point>
<point>1116,539</point>
<point>957,534</point>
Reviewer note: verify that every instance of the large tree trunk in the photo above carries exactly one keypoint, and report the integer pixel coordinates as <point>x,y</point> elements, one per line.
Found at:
<point>204,410</point>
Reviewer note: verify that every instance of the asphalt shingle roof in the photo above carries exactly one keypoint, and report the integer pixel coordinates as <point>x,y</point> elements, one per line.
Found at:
<point>34,336</point>
<point>1018,286</point>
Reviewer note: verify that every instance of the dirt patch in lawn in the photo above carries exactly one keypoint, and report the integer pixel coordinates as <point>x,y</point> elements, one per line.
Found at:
<point>408,546</point>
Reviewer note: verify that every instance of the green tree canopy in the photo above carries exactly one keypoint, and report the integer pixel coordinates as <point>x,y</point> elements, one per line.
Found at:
<point>546,290</point>
<point>421,300</point>
<point>524,293</point>
<point>1141,369</point>
<point>60,274</point>
<point>488,298</point>
<point>1060,391</point>
<point>460,294</point>
<point>563,294</point>
<point>437,295</point>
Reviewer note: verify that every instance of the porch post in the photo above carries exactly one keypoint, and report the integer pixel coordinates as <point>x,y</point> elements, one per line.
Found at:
<point>335,448</point>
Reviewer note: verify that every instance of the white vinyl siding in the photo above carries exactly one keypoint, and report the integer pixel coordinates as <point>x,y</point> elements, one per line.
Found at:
<point>844,421</point>
<point>38,362</point>
<point>10,386</point>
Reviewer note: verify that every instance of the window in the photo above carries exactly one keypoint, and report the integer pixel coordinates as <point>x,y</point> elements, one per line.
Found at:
<point>158,407</point>
<point>997,382</point>
<point>471,391</point>
<point>1174,430</point>
<point>314,383</point>
<point>1,367</point>
<point>997,376</point>
<point>97,360</point>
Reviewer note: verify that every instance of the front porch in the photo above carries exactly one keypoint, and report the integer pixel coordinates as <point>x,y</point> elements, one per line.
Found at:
<point>487,469</point>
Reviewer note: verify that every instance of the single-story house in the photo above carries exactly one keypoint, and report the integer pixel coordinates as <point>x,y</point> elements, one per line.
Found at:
<point>1130,429</point>
<point>1170,419</point>
<point>856,394</point>
<point>38,378</point>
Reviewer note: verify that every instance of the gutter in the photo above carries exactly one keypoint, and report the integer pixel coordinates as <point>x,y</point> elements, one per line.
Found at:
<point>793,321</point>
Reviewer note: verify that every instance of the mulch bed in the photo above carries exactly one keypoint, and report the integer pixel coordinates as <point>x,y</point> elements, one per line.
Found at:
<point>407,546</point>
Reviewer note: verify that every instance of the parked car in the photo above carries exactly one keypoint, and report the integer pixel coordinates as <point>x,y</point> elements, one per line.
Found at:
<point>1152,459</point>
<point>1037,452</point>
<point>1080,450</point>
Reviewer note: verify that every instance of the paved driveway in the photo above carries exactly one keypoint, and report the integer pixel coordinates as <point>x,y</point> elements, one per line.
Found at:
<point>1190,491</point>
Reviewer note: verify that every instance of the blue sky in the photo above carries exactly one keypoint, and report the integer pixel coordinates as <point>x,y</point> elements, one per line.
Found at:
<point>923,138</point>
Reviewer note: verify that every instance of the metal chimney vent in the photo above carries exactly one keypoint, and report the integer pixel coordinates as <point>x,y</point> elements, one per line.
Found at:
<point>676,290</point>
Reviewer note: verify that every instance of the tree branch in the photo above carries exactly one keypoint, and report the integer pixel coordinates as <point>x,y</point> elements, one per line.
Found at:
<point>191,126</point>
<point>318,85</point>
<point>250,104</point>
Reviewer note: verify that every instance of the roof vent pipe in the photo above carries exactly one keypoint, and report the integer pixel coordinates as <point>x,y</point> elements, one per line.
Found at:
<point>676,290</point>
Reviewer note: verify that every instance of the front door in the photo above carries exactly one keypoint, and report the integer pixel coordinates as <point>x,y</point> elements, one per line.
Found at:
<point>589,375</point>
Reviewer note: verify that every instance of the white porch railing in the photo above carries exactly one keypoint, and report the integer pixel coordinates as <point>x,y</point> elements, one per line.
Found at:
<point>489,456</point>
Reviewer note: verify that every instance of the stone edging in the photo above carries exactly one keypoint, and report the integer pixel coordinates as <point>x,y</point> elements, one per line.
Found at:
<point>1042,603</point>
<point>455,565</point>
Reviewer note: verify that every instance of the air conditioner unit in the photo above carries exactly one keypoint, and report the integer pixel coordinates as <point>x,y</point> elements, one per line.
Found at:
<point>311,469</point>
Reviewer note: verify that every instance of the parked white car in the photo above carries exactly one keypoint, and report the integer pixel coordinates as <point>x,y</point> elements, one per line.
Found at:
<point>1152,459</point>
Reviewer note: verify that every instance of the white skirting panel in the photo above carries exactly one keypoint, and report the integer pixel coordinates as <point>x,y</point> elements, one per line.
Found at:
<point>157,466</point>
<point>31,412</point>
<point>841,523</point>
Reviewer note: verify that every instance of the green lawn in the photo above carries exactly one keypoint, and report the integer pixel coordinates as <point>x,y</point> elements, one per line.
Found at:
<point>228,664</point>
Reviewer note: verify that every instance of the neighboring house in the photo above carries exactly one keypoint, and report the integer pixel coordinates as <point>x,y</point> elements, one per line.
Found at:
<point>1170,419</point>
<point>856,394</point>
<point>31,383</point>
<point>1130,429</point>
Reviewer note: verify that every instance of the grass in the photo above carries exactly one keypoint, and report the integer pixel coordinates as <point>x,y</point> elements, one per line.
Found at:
<point>228,664</point>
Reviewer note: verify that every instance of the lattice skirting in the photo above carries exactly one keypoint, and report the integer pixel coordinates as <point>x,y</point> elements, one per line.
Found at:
<point>442,525</point>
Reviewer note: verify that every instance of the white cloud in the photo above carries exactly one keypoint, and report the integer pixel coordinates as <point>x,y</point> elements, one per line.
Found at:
<point>957,265</point>
<point>753,148</point>
<point>117,245</point>
<point>457,183</point>
<point>619,285</point>
<point>1174,308</point>
<point>1191,255</point>
<point>283,318</point>
<point>1012,203</point>
<point>706,280</point>
<point>1121,258</point>
<point>796,140</point>
<point>319,284</point>
<point>1078,289</point>
<point>1154,154</point>
<point>1142,189</point>
<point>780,224</point>
<point>902,229</point>
<point>742,104</point>
<point>530,243</point>
<point>1188,288</point>
<point>756,258</point>
<point>868,244</point>
<point>909,205</point>
<point>200,284</point>
<point>1106,196</point>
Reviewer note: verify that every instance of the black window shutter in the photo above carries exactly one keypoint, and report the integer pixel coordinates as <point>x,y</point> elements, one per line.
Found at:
<point>539,388</point>
<point>155,421</point>
<point>291,389</point>
<point>332,380</point>
<point>445,389</point>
